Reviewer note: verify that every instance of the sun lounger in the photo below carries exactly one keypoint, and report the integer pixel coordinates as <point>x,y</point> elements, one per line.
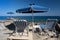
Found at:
<point>50,26</point>
<point>21,25</point>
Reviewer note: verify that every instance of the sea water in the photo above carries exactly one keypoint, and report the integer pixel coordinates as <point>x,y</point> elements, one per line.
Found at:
<point>29,18</point>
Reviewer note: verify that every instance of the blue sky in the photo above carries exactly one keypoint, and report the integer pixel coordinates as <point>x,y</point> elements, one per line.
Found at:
<point>13,5</point>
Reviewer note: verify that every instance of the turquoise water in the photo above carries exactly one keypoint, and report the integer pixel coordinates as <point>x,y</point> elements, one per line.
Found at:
<point>29,18</point>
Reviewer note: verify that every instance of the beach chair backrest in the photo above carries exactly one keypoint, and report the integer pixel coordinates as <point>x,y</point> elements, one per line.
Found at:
<point>50,25</point>
<point>21,25</point>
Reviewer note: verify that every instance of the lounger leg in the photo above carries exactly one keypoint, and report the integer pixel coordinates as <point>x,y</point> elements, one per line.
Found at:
<point>8,39</point>
<point>22,33</point>
<point>27,33</point>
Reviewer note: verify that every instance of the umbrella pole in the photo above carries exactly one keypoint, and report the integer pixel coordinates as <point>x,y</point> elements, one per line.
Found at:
<point>32,22</point>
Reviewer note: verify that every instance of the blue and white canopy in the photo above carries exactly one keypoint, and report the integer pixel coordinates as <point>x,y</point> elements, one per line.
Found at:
<point>33,8</point>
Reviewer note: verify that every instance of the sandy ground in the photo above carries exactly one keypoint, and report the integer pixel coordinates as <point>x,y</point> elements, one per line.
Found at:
<point>3,32</point>
<point>39,37</point>
<point>32,36</point>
